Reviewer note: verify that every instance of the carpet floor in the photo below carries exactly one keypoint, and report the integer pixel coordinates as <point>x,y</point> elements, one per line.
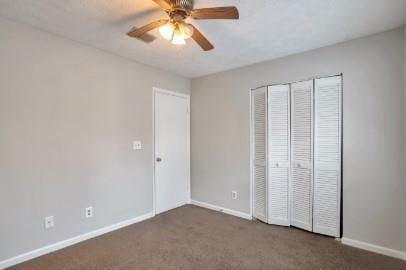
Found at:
<point>191,237</point>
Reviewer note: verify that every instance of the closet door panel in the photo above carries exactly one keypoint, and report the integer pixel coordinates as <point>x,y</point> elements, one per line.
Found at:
<point>259,140</point>
<point>327,159</point>
<point>302,155</point>
<point>279,154</point>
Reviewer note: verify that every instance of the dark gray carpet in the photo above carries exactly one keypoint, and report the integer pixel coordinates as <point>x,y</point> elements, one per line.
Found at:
<point>195,238</point>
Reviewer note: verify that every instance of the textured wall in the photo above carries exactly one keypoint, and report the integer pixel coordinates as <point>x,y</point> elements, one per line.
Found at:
<point>68,116</point>
<point>374,131</point>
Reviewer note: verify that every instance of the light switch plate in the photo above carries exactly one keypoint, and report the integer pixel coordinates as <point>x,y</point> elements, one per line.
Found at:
<point>137,145</point>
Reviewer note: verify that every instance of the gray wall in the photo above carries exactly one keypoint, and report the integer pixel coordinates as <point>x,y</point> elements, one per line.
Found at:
<point>374,132</point>
<point>68,116</point>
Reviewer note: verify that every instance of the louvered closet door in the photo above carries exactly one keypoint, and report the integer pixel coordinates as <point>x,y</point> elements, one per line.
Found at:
<point>327,159</point>
<point>259,137</point>
<point>279,154</point>
<point>302,155</point>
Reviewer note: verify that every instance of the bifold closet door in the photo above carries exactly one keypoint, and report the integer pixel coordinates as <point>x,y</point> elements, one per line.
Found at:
<point>259,154</point>
<point>302,155</point>
<point>327,156</point>
<point>279,154</point>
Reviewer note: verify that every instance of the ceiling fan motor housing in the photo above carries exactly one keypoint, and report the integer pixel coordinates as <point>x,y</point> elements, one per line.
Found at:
<point>181,4</point>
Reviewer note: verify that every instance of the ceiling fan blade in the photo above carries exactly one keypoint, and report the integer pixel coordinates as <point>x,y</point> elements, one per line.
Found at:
<point>215,13</point>
<point>138,32</point>
<point>201,40</point>
<point>163,4</point>
<point>147,38</point>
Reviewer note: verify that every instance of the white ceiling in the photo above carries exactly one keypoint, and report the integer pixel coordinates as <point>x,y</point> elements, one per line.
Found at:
<point>267,29</point>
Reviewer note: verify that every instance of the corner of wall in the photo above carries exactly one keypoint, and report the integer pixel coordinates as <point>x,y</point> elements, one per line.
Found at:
<point>404,142</point>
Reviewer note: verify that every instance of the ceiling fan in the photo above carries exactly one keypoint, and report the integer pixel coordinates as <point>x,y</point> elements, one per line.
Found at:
<point>176,29</point>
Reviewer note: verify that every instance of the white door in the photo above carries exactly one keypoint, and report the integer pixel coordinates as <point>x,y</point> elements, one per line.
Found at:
<point>279,154</point>
<point>302,155</point>
<point>327,156</point>
<point>172,152</point>
<point>259,154</point>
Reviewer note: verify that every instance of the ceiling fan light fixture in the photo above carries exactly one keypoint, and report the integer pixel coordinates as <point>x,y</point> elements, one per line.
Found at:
<point>178,38</point>
<point>167,30</point>
<point>186,30</point>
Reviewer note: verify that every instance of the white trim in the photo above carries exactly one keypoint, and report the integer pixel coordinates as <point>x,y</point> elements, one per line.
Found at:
<point>374,248</point>
<point>156,90</point>
<point>251,159</point>
<point>71,241</point>
<point>169,92</point>
<point>222,209</point>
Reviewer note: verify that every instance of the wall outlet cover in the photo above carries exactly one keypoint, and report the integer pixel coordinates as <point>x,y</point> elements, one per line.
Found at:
<point>234,195</point>
<point>49,222</point>
<point>89,212</point>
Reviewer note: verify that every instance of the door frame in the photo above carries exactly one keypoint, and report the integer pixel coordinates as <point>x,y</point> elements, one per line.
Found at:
<point>155,91</point>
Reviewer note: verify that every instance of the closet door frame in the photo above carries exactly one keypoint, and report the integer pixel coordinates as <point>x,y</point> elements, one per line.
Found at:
<point>252,193</point>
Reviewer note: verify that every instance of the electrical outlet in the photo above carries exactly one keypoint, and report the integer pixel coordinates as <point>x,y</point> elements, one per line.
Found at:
<point>49,222</point>
<point>137,145</point>
<point>89,212</point>
<point>234,195</point>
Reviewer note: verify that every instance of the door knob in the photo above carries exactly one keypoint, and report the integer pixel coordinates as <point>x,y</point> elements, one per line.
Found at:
<point>158,159</point>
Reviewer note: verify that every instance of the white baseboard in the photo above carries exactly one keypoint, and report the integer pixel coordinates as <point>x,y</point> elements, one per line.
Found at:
<point>68,242</point>
<point>374,248</point>
<point>222,209</point>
